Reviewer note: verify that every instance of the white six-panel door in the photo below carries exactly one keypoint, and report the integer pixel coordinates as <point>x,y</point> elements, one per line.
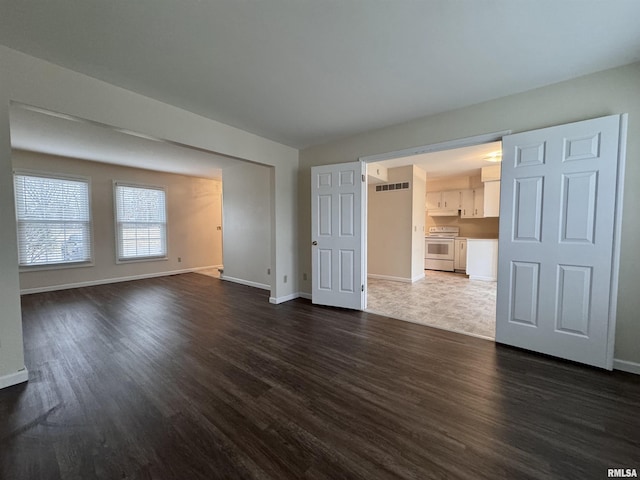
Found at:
<point>337,234</point>
<point>558,210</point>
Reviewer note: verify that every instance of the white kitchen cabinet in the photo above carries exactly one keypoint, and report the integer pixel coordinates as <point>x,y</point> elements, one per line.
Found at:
<point>473,203</point>
<point>478,203</point>
<point>451,199</point>
<point>448,200</point>
<point>460,254</point>
<point>446,203</point>
<point>434,199</point>
<point>492,199</point>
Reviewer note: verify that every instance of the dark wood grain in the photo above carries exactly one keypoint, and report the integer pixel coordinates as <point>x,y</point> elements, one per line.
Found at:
<point>190,377</point>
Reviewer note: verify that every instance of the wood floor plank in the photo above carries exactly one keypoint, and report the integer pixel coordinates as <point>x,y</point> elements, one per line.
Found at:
<point>190,377</point>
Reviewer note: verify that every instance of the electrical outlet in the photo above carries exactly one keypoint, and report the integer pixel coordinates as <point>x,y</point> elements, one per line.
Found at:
<point>179,259</point>
<point>285,279</point>
<point>268,271</point>
<point>304,276</point>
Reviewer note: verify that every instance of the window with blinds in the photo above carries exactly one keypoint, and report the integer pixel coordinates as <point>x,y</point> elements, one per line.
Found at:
<point>54,220</point>
<point>141,221</point>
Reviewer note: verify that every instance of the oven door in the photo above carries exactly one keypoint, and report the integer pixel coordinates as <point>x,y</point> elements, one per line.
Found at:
<point>439,248</point>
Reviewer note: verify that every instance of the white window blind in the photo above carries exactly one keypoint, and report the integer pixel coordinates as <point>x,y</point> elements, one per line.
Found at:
<point>141,222</point>
<point>54,221</point>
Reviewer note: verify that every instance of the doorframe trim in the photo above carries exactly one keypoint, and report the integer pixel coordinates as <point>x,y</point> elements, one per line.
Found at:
<point>408,152</point>
<point>617,234</point>
<point>437,147</point>
<point>617,239</point>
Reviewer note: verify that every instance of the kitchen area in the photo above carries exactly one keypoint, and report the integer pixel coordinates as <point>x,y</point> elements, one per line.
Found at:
<point>462,224</point>
<point>452,208</point>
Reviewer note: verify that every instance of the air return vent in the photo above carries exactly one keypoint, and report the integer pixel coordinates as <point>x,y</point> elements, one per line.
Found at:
<point>386,187</point>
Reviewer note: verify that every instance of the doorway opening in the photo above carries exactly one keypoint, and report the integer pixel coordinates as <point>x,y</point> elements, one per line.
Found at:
<point>216,270</point>
<point>432,243</point>
<point>561,192</point>
<point>59,144</point>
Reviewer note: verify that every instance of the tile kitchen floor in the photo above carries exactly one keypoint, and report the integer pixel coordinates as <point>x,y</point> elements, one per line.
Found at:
<point>442,299</point>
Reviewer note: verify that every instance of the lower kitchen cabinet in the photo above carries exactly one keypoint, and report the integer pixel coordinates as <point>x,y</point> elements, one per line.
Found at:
<point>460,254</point>
<point>482,259</point>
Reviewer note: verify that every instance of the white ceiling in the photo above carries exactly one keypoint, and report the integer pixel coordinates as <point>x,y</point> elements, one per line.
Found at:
<point>463,161</point>
<point>304,72</point>
<point>57,135</point>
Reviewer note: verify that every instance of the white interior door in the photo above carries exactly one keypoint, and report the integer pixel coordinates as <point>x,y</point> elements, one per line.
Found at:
<point>337,224</point>
<point>217,221</point>
<point>559,215</point>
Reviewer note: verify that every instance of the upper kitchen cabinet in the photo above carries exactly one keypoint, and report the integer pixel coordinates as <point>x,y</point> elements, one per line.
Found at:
<point>492,199</point>
<point>434,199</point>
<point>473,203</point>
<point>491,178</point>
<point>452,199</point>
<point>445,203</point>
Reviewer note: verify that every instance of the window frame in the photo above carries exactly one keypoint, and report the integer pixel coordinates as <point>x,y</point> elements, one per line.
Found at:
<point>56,176</point>
<point>118,249</point>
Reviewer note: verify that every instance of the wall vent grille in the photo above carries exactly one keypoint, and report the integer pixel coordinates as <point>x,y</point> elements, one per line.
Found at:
<point>388,187</point>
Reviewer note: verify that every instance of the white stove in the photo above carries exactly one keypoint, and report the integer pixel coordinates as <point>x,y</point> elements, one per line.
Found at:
<point>444,232</point>
<point>439,248</point>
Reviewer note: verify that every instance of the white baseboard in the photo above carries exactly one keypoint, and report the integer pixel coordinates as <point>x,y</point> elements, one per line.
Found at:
<point>20,376</point>
<point>105,281</point>
<point>291,296</point>
<point>285,298</point>
<point>417,277</point>
<point>197,269</point>
<point>484,279</point>
<point>248,283</point>
<point>626,366</point>
<point>389,277</point>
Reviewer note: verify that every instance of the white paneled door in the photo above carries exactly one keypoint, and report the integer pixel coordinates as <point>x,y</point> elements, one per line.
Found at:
<point>559,214</point>
<point>338,195</point>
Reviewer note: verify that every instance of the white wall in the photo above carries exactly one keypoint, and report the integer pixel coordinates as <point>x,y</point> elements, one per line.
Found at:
<point>247,223</point>
<point>395,227</point>
<point>389,218</point>
<point>604,93</point>
<point>11,350</point>
<point>419,191</point>
<point>42,84</point>
<point>191,221</point>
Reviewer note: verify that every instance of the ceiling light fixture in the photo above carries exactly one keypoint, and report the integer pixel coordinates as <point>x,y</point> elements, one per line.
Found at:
<point>494,157</point>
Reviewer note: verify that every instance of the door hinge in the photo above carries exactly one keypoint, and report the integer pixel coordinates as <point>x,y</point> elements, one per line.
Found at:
<point>363,287</point>
<point>363,179</point>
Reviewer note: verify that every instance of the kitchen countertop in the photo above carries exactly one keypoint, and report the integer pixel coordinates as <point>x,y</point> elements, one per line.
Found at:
<point>465,238</point>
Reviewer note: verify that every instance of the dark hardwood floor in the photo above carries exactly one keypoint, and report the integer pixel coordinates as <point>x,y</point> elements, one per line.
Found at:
<point>189,377</point>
